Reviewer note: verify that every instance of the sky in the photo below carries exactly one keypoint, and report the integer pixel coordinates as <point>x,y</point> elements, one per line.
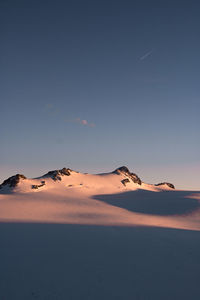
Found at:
<point>94,85</point>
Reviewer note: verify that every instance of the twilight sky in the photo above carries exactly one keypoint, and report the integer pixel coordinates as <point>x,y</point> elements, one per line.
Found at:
<point>93,85</point>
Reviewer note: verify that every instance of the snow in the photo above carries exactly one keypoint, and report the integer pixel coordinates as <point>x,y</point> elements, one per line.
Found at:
<point>91,237</point>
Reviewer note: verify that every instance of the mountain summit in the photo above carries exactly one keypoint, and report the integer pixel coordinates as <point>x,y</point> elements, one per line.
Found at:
<point>132,176</point>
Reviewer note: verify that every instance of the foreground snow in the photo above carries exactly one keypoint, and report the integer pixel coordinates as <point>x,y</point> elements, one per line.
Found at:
<point>93,237</point>
<point>59,262</point>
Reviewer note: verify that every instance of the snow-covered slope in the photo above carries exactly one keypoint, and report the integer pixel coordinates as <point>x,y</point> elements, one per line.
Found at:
<point>116,198</point>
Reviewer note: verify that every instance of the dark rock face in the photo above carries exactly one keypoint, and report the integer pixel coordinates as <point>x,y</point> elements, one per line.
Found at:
<point>65,171</point>
<point>37,186</point>
<point>167,183</point>
<point>125,181</point>
<point>124,170</point>
<point>12,181</point>
<point>57,174</point>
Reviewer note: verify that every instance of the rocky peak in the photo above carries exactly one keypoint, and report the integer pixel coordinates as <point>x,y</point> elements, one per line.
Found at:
<point>125,171</point>
<point>122,169</point>
<point>57,174</point>
<point>13,181</point>
<point>166,183</point>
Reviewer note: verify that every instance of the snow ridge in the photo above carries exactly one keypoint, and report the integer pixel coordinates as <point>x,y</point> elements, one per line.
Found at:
<point>70,178</point>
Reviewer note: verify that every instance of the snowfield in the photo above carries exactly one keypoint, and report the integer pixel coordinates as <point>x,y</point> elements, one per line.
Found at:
<point>69,235</point>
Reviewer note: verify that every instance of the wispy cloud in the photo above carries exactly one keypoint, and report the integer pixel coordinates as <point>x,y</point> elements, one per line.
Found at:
<point>81,122</point>
<point>84,122</point>
<point>52,110</point>
<point>147,54</point>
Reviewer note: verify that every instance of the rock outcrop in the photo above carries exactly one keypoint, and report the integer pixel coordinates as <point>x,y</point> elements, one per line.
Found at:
<point>13,181</point>
<point>37,186</point>
<point>166,183</point>
<point>124,170</point>
<point>57,174</point>
<point>125,181</point>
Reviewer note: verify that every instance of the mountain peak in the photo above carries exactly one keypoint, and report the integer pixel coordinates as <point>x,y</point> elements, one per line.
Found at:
<point>122,169</point>
<point>125,171</point>
<point>57,174</point>
<point>13,181</point>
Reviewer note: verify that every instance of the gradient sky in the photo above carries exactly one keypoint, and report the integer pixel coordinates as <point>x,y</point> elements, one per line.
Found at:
<point>93,85</point>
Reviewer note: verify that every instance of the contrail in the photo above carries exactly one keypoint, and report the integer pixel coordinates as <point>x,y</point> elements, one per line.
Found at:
<point>146,55</point>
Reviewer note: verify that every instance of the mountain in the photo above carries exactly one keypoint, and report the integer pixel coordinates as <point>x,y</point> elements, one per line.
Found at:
<point>119,197</point>
<point>119,179</point>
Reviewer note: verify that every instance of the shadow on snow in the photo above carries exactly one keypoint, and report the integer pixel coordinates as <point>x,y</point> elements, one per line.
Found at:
<point>154,203</point>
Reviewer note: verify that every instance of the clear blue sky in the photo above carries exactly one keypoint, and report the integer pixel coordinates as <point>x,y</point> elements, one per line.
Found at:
<point>93,85</point>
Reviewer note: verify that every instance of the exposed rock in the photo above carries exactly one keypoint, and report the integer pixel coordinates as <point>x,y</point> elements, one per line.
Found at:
<point>36,186</point>
<point>124,170</point>
<point>125,181</point>
<point>57,174</point>
<point>166,183</point>
<point>65,171</point>
<point>13,181</point>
